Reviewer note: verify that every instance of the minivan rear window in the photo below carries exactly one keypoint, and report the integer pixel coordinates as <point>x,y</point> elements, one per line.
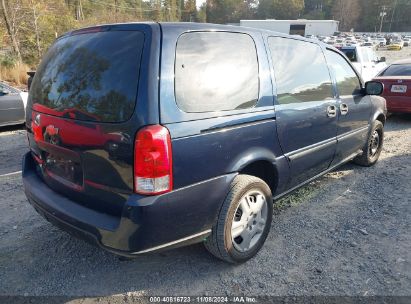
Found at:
<point>91,76</point>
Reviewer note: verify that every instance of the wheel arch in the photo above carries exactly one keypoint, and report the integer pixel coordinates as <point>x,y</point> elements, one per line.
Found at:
<point>261,164</point>
<point>380,117</point>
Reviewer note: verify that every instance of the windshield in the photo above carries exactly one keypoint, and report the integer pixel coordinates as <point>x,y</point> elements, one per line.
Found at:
<point>397,70</point>
<point>90,76</point>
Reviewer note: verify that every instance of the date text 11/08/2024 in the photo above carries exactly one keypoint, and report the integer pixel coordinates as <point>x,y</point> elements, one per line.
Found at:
<point>203,299</point>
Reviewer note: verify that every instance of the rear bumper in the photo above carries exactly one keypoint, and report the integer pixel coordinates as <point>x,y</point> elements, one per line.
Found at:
<point>147,223</point>
<point>398,104</point>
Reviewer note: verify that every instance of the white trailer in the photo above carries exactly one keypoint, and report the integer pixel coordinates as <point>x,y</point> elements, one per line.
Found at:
<point>301,27</point>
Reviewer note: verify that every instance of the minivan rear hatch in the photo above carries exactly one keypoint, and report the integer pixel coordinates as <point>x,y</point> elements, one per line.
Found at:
<point>82,98</point>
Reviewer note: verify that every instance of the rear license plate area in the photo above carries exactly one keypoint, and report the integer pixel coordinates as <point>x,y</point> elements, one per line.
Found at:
<point>62,165</point>
<point>396,88</point>
<point>64,170</point>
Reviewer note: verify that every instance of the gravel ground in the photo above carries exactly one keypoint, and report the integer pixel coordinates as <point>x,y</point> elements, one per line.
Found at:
<point>347,233</point>
<point>394,55</point>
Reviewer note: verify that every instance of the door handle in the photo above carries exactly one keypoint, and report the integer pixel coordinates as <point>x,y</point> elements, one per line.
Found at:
<point>331,111</point>
<point>343,109</point>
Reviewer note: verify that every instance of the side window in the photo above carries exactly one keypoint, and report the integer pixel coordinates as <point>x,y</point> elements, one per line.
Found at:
<point>300,70</point>
<point>216,71</point>
<point>365,55</point>
<point>347,80</point>
<point>351,54</point>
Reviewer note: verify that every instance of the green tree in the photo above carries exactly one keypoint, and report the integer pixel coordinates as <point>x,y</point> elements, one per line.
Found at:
<point>202,13</point>
<point>348,12</point>
<point>189,11</point>
<point>397,18</point>
<point>280,9</point>
<point>230,11</point>
<point>318,9</point>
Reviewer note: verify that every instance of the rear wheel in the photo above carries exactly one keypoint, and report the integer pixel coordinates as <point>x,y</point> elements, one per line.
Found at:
<point>373,146</point>
<point>244,221</point>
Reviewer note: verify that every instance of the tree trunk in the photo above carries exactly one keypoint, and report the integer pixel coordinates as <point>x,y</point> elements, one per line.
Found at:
<point>79,10</point>
<point>115,11</point>
<point>36,28</point>
<point>11,31</point>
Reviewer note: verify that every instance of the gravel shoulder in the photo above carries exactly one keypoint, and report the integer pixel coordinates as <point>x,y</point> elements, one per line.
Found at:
<point>347,233</point>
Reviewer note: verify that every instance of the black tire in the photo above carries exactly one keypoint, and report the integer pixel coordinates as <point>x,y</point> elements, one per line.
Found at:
<point>368,158</point>
<point>220,242</point>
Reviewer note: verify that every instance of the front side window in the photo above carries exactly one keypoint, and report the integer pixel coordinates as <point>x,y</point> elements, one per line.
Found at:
<point>347,80</point>
<point>216,71</point>
<point>300,70</point>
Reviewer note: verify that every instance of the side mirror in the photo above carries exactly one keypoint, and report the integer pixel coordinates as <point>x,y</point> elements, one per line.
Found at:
<point>373,88</point>
<point>382,59</point>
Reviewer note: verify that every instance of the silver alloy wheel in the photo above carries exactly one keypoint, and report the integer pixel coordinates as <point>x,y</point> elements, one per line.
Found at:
<point>249,220</point>
<point>374,143</point>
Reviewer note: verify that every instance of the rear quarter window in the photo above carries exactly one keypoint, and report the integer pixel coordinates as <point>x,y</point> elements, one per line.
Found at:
<point>92,75</point>
<point>216,71</point>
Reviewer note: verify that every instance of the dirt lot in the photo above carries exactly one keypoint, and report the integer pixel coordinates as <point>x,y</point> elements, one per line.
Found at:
<point>394,55</point>
<point>347,233</point>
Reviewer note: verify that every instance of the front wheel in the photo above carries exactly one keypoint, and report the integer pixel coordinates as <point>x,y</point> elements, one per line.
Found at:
<point>373,146</point>
<point>244,221</point>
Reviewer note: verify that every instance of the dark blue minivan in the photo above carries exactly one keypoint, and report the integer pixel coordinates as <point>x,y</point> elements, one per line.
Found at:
<point>147,136</point>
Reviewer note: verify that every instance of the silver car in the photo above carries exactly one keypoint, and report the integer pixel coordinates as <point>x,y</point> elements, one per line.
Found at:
<point>12,105</point>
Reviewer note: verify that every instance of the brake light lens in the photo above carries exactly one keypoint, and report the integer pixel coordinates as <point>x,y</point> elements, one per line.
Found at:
<point>153,161</point>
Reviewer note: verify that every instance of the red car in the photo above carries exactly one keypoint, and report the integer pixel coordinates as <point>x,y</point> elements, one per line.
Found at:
<point>397,86</point>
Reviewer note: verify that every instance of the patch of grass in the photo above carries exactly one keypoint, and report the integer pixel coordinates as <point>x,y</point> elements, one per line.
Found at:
<point>13,72</point>
<point>297,197</point>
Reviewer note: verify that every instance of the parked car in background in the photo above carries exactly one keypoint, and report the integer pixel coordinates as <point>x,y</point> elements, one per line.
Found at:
<point>407,41</point>
<point>339,43</point>
<point>369,44</point>
<point>12,105</point>
<point>396,45</point>
<point>214,122</point>
<point>397,86</point>
<point>330,41</point>
<point>382,42</point>
<point>364,60</point>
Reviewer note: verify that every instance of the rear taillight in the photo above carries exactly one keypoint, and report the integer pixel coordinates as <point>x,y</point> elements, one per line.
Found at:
<point>153,161</point>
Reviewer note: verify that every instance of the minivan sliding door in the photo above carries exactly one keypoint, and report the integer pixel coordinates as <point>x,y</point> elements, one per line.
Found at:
<point>306,110</point>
